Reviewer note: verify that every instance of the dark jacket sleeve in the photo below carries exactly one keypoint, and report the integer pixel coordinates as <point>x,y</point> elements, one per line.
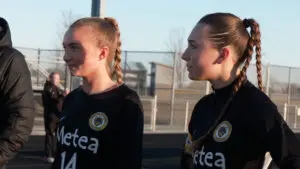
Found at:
<point>51,99</point>
<point>18,101</point>
<point>131,134</point>
<point>280,140</point>
<point>46,97</point>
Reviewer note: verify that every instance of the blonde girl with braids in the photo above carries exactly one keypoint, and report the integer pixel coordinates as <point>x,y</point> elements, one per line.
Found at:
<point>236,125</point>
<point>102,121</point>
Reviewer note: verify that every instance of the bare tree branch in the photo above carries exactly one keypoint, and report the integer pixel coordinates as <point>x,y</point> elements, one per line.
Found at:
<point>176,39</point>
<point>175,44</point>
<point>68,17</point>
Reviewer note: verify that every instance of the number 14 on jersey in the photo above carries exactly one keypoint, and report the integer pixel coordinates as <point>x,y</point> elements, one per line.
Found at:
<point>71,164</point>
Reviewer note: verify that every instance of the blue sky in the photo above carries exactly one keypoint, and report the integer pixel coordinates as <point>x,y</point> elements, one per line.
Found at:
<point>145,25</point>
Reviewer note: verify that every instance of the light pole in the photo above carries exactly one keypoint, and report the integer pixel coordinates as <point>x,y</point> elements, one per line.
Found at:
<point>97,8</point>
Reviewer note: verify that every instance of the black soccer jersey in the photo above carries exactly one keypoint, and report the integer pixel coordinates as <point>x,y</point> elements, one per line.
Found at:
<point>100,131</point>
<point>250,127</point>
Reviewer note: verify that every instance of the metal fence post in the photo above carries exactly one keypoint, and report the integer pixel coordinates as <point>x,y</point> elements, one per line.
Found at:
<point>38,71</point>
<point>173,89</point>
<point>154,111</point>
<point>285,111</point>
<point>289,87</point>
<point>186,116</point>
<point>125,66</point>
<point>207,87</point>
<point>296,115</point>
<point>267,79</point>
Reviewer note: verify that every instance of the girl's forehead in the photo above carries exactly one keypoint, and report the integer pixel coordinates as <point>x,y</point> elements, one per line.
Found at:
<point>77,36</point>
<point>199,33</point>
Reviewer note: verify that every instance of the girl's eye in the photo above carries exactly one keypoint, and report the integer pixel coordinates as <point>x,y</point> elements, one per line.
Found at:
<point>193,46</point>
<point>74,48</point>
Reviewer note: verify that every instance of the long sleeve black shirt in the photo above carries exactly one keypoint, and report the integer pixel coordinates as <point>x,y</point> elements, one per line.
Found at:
<point>251,127</point>
<point>100,131</point>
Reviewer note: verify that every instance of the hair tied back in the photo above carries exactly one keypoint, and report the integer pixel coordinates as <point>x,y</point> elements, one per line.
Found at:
<point>246,23</point>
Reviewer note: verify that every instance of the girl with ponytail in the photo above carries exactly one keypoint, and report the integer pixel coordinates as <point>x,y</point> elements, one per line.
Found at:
<point>237,124</point>
<point>102,121</point>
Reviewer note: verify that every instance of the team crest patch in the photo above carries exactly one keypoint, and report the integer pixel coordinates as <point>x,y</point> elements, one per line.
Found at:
<point>98,121</point>
<point>222,131</point>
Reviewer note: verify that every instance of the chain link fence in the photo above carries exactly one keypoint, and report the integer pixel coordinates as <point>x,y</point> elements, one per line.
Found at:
<point>169,96</point>
<point>42,62</point>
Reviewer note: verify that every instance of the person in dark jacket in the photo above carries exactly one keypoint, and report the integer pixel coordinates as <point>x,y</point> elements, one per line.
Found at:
<point>16,98</point>
<point>52,97</point>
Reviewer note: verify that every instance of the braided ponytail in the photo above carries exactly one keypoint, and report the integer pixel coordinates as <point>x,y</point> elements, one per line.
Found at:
<point>254,40</point>
<point>117,58</point>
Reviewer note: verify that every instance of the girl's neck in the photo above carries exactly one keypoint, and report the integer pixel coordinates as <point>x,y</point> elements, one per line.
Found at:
<point>97,84</point>
<point>225,81</point>
<point>218,84</point>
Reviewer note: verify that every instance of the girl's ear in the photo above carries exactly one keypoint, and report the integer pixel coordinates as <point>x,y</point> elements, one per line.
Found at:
<point>103,53</point>
<point>224,53</point>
